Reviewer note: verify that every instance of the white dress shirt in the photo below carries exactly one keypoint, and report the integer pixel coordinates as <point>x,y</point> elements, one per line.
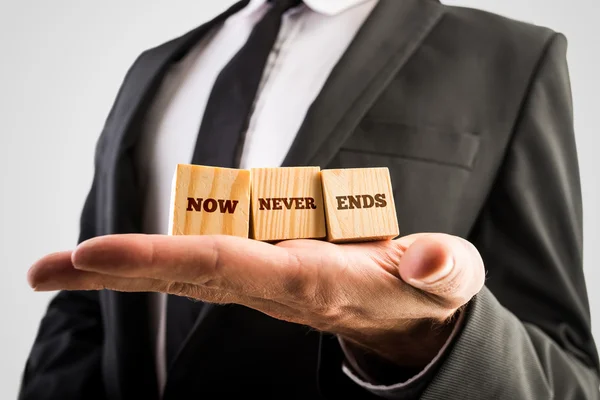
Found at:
<point>312,39</point>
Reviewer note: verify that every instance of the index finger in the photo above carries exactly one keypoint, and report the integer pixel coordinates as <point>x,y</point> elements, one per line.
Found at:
<point>226,262</point>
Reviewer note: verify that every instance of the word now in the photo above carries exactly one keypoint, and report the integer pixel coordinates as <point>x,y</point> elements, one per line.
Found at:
<point>211,205</point>
<point>361,201</point>
<point>298,203</point>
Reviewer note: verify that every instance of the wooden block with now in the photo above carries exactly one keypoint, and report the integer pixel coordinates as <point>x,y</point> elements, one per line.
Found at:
<point>287,203</point>
<point>359,205</point>
<point>210,201</point>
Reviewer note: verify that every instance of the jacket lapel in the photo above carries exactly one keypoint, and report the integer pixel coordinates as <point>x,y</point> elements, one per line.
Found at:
<point>387,39</point>
<point>129,346</point>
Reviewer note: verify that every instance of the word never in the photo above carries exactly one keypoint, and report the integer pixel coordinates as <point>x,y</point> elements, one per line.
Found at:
<point>278,203</point>
<point>360,201</point>
<point>211,205</point>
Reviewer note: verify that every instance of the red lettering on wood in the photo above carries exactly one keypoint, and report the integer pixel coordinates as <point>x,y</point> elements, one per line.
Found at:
<point>380,200</point>
<point>341,202</point>
<point>287,203</point>
<point>228,206</point>
<point>310,203</point>
<point>211,205</point>
<point>354,202</point>
<point>264,204</point>
<point>298,203</point>
<point>368,201</point>
<point>193,204</point>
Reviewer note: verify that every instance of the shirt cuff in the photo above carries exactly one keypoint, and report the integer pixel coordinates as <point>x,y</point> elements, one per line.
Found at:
<point>381,377</point>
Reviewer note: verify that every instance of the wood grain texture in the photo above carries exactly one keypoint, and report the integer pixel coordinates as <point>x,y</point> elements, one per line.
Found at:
<point>359,205</point>
<point>287,203</point>
<point>210,201</point>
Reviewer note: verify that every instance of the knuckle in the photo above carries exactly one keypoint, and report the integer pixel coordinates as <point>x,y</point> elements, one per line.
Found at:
<point>296,281</point>
<point>217,260</point>
<point>312,300</point>
<point>179,288</point>
<point>151,255</point>
<point>389,254</point>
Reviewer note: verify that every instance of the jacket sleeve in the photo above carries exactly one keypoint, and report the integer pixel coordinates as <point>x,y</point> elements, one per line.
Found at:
<point>527,335</point>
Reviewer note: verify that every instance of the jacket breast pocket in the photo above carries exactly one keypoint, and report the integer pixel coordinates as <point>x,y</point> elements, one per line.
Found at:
<point>429,169</point>
<point>418,143</point>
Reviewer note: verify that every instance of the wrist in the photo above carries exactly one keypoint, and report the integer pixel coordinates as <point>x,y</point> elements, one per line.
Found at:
<point>408,344</point>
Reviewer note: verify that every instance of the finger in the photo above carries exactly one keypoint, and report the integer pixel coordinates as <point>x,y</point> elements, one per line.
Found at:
<point>444,266</point>
<point>387,253</point>
<point>45,269</point>
<point>225,262</point>
<point>55,272</point>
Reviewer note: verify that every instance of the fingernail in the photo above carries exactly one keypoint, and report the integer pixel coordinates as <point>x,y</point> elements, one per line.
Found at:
<point>437,276</point>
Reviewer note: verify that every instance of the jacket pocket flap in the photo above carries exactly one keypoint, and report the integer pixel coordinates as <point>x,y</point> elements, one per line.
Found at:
<point>426,144</point>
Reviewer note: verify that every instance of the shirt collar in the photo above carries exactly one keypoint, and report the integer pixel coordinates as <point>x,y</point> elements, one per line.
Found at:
<point>332,7</point>
<point>326,7</point>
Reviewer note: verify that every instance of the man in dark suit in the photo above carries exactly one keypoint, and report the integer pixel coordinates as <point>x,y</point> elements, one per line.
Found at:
<point>472,115</point>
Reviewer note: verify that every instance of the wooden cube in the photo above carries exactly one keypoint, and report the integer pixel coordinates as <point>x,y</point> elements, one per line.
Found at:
<point>359,205</point>
<point>287,203</point>
<point>210,201</point>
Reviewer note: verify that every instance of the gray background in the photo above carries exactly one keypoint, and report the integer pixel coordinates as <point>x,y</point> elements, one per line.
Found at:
<point>61,63</point>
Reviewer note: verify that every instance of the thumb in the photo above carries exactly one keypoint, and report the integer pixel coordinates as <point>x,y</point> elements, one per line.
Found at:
<point>447,267</point>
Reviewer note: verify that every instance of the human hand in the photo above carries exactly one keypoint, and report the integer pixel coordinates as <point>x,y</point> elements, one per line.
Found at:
<point>395,298</point>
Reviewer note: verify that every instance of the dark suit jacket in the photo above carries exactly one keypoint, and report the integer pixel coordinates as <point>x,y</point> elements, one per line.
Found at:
<point>472,114</point>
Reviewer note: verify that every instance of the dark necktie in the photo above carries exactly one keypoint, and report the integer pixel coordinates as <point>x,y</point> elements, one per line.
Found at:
<point>220,139</point>
<point>229,105</point>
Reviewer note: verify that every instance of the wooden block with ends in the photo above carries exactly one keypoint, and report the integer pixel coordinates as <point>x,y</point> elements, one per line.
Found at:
<point>287,203</point>
<point>359,205</point>
<point>210,201</point>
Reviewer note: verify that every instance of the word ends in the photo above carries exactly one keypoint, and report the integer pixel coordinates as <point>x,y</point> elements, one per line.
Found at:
<point>361,201</point>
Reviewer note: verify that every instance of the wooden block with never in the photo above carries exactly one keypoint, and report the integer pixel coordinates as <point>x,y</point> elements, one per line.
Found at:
<point>287,203</point>
<point>210,201</point>
<point>359,205</point>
